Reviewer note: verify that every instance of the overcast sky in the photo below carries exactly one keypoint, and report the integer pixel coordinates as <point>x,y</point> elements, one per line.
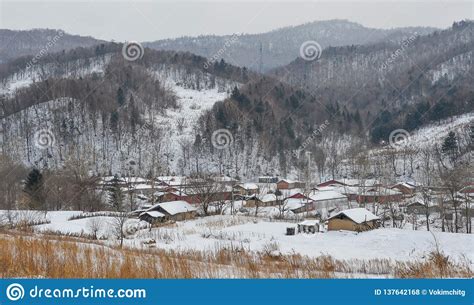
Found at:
<point>147,20</point>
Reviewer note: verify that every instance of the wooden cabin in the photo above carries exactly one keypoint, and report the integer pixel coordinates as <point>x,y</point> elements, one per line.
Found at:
<point>358,219</point>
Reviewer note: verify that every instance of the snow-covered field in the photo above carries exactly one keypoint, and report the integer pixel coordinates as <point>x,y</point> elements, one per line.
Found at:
<point>256,234</point>
<point>212,233</point>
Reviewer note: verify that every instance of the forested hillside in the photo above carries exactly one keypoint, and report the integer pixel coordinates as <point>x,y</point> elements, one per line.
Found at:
<point>261,52</point>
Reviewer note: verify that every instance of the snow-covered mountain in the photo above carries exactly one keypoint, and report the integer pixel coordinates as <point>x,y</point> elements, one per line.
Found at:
<point>106,112</point>
<point>175,113</point>
<point>38,42</point>
<point>281,46</point>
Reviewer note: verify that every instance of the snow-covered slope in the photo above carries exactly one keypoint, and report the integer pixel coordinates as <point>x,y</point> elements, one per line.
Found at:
<point>436,133</point>
<point>34,73</point>
<point>50,133</point>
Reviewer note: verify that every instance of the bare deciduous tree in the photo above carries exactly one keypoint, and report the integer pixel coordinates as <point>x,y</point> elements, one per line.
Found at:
<point>118,226</point>
<point>94,225</point>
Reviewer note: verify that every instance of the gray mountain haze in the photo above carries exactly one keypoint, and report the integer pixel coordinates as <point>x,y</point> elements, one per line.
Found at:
<point>281,46</point>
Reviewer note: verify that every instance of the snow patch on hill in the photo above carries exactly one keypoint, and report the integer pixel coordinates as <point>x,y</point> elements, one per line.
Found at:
<point>453,67</point>
<point>437,132</point>
<point>34,73</point>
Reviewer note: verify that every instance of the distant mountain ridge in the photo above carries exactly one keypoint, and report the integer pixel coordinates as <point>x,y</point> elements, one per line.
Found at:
<point>281,46</point>
<point>15,44</point>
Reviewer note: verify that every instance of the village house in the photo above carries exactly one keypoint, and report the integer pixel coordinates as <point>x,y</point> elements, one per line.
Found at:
<point>358,219</point>
<point>418,207</point>
<point>225,180</point>
<point>152,217</point>
<point>172,196</point>
<point>195,196</point>
<point>325,201</point>
<point>372,194</point>
<point>265,200</point>
<point>172,210</point>
<point>350,182</point>
<point>246,189</point>
<point>405,188</point>
<point>287,184</point>
<point>298,205</point>
<point>177,182</point>
<point>292,193</point>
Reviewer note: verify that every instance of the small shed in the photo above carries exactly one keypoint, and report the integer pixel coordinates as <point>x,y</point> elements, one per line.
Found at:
<point>308,226</point>
<point>290,230</point>
<point>358,219</point>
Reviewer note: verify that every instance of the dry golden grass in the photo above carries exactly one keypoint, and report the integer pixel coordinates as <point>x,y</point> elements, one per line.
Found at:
<point>437,265</point>
<point>50,256</point>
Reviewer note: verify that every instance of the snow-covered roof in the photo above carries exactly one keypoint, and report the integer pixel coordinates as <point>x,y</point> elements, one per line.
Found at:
<point>249,186</point>
<point>154,214</point>
<point>326,195</point>
<point>288,193</point>
<point>173,180</point>
<point>355,182</point>
<point>224,179</point>
<point>370,191</point>
<point>135,180</point>
<point>309,222</point>
<point>387,191</point>
<point>143,186</point>
<point>288,181</point>
<point>174,207</point>
<point>108,179</point>
<point>268,198</point>
<point>404,184</point>
<point>421,202</point>
<point>335,187</point>
<point>295,203</point>
<point>358,215</point>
